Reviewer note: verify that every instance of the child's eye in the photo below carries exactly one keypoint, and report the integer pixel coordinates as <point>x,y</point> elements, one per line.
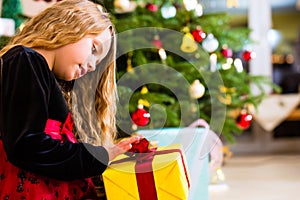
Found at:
<point>94,50</point>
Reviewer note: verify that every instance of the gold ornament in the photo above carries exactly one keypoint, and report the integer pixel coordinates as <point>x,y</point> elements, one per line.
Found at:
<point>123,6</point>
<point>232,3</point>
<point>129,68</point>
<point>224,89</point>
<point>185,29</point>
<point>143,102</point>
<point>226,100</point>
<point>144,90</point>
<point>188,44</point>
<point>226,154</point>
<point>129,65</point>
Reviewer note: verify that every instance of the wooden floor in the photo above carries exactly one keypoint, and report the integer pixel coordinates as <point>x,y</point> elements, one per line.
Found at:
<point>260,177</point>
<point>261,167</point>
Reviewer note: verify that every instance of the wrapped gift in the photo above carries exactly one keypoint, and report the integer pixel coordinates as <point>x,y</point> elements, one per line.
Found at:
<point>160,173</point>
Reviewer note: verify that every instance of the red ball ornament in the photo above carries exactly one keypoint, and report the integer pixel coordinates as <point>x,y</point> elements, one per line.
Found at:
<point>226,52</point>
<point>244,120</point>
<point>198,34</point>
<point>248,55</point>
<point>140,117</point>
<point>152,7</point>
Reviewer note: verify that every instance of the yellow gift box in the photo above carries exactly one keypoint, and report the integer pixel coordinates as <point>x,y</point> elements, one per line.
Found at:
<point>169,171</point>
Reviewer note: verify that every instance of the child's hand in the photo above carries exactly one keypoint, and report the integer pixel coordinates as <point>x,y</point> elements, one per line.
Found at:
<point>122,146</point>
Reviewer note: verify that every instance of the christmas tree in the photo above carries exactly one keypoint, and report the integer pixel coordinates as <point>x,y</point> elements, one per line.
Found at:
<point>176,64</point>
<point>179,64</point>
<point>12,9</point>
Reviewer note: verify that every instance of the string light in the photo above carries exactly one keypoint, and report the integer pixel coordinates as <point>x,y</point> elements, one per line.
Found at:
<point>238,65</point>
<point>162,53</point>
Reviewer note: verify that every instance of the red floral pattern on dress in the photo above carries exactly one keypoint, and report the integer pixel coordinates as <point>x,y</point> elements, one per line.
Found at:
<point>16,183</point>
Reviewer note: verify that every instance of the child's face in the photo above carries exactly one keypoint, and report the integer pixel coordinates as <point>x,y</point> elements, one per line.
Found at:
<point>75,60</point>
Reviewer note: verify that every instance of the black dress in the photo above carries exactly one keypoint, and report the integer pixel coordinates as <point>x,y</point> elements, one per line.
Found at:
<point>39,156</point>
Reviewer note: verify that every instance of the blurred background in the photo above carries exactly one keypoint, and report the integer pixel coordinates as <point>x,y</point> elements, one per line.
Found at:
<point>261,133</point>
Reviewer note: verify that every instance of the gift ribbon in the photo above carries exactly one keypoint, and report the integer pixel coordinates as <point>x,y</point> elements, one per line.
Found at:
<point>58,131</point>
<point>143,167</point>
<point>145,180</point>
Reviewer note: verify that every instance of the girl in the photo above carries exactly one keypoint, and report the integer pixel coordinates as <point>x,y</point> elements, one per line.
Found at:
<point>40,157</point>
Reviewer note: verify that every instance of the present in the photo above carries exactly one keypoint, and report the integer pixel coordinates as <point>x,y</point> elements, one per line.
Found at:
<point>159,174</point>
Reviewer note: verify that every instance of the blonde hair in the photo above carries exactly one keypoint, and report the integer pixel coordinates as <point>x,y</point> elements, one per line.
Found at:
<point>67,22</point>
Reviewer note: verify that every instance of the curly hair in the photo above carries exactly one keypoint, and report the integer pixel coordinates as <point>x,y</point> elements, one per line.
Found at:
<point>67,22</point>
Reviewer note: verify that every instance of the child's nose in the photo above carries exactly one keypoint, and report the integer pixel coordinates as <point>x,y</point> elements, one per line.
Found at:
<point>91,67</point>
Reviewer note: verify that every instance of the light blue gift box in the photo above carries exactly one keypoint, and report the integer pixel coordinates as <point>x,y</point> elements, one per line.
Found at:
<point>193,142</point>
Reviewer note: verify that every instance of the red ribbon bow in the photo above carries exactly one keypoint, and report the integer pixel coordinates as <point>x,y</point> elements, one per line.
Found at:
<point>61,132</point>
<point>141,151</point>
<point>140,147</point>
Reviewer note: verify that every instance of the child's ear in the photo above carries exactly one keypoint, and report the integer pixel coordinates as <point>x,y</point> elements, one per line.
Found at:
<point>103,44</point>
